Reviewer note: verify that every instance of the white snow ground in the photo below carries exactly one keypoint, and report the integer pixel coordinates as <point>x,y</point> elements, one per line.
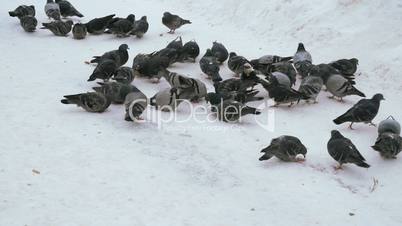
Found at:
<point>97,169</point>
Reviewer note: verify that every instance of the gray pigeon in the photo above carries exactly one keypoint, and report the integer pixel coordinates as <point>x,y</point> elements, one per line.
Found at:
<point>91,101</point>
<point>177,44</point>
<point>122,27</point>
<point>23,10</point>
<point>28,23</point>
<point>173,22</point>
<point>242,97</point>
<point>236,63</point>
<point>302,60</point>
<point>189,52</point>
<point>342,150</point>
<point>190,88</point>
<point>220,52</point>
<point>285,148</point>
<point>363,111</point>
<point>281,94</point>
<point>79,31</point>
<point>140,27</point>
<point>389,125</point>
<point>346,67</point>
<point>310,87</point>
<point>285,68</point>
<point>119,56</point>
<point>166,100</point>
<point>52,10</point>
<point>210,66</point>
<point>325,71</point>
<point>67,9</point>
<point>232,111</point>
<point>282,78</point>
<point>263,64</point>
<point>169,54</point>
<point>104,70</point>
<point>135,104</point>
<point>388,145</point>
<point>124,75</point>
<point>150,66</point>
<point>234,84</point>
<point>340,87</point>
<point>98,25</point>
<point>58,27</point>
<point>115,91</point>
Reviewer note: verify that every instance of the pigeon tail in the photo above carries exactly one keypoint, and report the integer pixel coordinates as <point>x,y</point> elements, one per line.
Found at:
<point>357,92</point>
<point>249,110</point>
<point>92,77</point>
<point>342,119</point>
<point>363,164</point>
<point>12,13</point>
<point>186,22</point>
<point>71,99</point>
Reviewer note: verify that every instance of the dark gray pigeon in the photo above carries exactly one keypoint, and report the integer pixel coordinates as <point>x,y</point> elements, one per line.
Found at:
<point>58,27</point>
<point>189,52</point>
<point>177,44</point>
<point>346,67</point>
<point>169,54</point>
<point>104,70</point>
<point>340,87</point>
<point>79,31</point>
<point>52,10</point>
<point>236,63</point>
<point>115,91</point>
<point>140,27</point>
<point>281,94</point>
<point>122,27</point>
<point>210,66</point>
<point>119,56</point>
<point>150,66</point>
<point>124,75</point>
<point>135,104</point>
<point>363,111</point>
<point>325,71</point>
<point>389,125</point>
<point>91,101</point>
<point>302,60</point>
<point>23,10</point>
<point>173,22</point>
<point>311,86</point>
<point>234,84</point>
<point>344,151</point>
<point>67,9</point>
<point>220,52</point>
<point>231,110</point>
<point>285,148</point>
<point>98,25</point>
<point>242,97</point>
<point>28,23</point>
<point>388,145</point>
<point>166,99</point>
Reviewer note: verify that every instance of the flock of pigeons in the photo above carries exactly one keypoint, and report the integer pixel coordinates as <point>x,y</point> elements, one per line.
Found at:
<point>274,73</point>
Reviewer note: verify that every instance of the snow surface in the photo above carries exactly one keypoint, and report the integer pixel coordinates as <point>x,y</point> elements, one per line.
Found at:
<point>97,169</point>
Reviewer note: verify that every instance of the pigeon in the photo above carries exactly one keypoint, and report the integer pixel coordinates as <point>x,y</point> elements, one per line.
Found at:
<point>346,67</point>
<point>150,66</point>
<point>52,10</point>
<point>242,97</point>
<point>263,64</point>
<point>98,25</point>
<point>236,63</point>
<point>282,78</point>
<point>281,94</point>
<point>124,75</point>
<point>343,150</point>
<point>58,27</point>
<point>189,52</point>
<point>325,71</point>
<point>135,104</point>
<point>285,68</point>
<point>23,10</point>
<point>302,60</point>
<point>176,44</point>
<point>28,23</point>
<point>220,52</point>
<point>310,87</point>
<point>363,111</point>
<point>104,70</point>
<point>210,66</point>
<point>166,100</point>
<point>173,22</point>
<point>122,27</point>
<point>190,88</point>
<point>388,145</point>
<point>285,148</point>
<point>140,27</point>
<point>231,111</point>
<point>249,74</point>
<point>340,87</point>
<point>234,84</point>
<point>389,125</point>
<point>170,55</point>
<point>119,56</point>
<point>91,101</point>
<point>115,91</point>
<point>67,9</point>
<point>79,31</point>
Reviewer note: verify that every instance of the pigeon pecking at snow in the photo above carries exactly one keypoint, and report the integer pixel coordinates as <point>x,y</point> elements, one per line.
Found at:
<point>115,91</point>
<point>104,70</point>
<point>79,31</point>
<point>91,101</point>
<point>189,52</point>
<point>23,10</point>
<point>140,27</point>
<point>135,104</point>
<point>389,141</point>
<point>52,10</point>
<point>98,25</point>
<point>285,148</point>
<point>210,66</point>
<point>122,27</point>
<point>236,63</point>
<point>124,75</point>
<point>119,56</point>
<point>220,52</point>
<point>67,9</point>
<point>29,23</point>
<point>363,111</point>
<point>58,27</point>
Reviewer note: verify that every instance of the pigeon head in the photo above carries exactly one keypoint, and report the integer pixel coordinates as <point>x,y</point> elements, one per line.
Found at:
<point>32,7</point>
<point>378,97</point>
<point>336,134</point>
<point>248,68</point>
<point>301,47</point>
<point>232,54</point>
<point>123,47</point>
<point>208,52</point>
<point>213,98</point>
<point>167,14</point>
<point>131,18</point>
<point>144,18</point>
<point>355,61</point>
